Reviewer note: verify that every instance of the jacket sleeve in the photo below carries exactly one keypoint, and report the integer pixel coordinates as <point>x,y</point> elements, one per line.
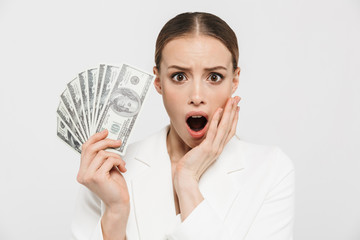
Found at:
<point>273,221</point>
<point>86,223</point>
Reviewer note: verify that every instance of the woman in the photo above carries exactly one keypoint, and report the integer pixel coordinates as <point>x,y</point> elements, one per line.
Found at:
<point>194,179</point>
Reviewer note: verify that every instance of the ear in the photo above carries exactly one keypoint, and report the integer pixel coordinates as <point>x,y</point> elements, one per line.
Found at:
<point>235,82</point>
<point>157,82</point>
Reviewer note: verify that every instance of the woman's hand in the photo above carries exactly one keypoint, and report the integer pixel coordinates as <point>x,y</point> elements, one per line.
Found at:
<point>197,160</point>
<point>100,172</point>
<point>190,168</point>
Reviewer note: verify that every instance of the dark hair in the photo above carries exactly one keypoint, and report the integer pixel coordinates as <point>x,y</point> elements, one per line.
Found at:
<point>197,22</point>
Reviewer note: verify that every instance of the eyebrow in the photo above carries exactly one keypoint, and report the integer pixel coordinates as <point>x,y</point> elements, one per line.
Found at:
<point>207,69</point>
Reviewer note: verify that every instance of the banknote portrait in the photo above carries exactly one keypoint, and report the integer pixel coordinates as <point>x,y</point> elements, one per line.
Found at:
<point>125,102</point>
<point>134,80</point>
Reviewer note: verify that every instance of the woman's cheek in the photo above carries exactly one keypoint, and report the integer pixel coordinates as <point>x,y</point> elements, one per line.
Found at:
<point>171,102</point>
<point>219,98</point>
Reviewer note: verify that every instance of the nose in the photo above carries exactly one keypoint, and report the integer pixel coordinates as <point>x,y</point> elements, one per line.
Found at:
<point>196,93</point>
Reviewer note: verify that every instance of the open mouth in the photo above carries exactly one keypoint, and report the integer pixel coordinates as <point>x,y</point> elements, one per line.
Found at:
<point>196,122</point>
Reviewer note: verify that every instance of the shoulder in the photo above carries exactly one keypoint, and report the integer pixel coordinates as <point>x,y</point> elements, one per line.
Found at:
<point>265,154</point>
<point>146,144</point>
<point>262,159</point>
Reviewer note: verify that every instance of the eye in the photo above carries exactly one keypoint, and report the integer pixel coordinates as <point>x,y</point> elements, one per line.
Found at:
<point>178,77</point>
<point>215,77</point>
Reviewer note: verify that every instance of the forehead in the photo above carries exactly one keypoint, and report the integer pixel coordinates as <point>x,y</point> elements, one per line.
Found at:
<point>196,50</point>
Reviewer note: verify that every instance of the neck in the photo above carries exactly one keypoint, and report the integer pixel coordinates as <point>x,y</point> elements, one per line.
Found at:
<point>176,147</point>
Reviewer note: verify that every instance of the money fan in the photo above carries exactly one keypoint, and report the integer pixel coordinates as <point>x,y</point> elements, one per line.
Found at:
<point>107,97</point>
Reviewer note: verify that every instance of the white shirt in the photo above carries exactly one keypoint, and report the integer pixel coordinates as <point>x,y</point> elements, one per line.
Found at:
<point>248,195</point>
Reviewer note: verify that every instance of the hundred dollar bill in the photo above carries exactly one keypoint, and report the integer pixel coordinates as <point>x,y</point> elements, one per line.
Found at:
<point>91,77</point>
<point>109,77</point>
<point>124,103</point>
<point>65,117</point>
<point>66,98</point>
<point>75,93</point>
<point>99,78</point>
<point>67,136</point>
<point>84,90</point>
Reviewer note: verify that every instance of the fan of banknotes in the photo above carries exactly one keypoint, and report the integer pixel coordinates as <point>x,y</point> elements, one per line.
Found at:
<point>107,97</point>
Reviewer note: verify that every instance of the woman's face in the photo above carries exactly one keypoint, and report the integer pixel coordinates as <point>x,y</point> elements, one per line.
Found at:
<point>196,78</point>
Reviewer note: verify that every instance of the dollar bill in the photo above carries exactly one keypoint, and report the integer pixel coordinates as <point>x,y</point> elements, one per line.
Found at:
<point>99,78</point>
<point>124,103</point>
<point>109,77</point>
<point>65,117</point>
<point>84,90</point>
<point>91,77</point>
<point>66,98</point>
<point>67,136</point>
<point>75,93</point>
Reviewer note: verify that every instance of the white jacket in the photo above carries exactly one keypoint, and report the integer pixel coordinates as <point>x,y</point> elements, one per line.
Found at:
<point>248,195</point>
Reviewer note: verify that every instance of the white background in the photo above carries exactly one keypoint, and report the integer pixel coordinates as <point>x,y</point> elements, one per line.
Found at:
<point>299,84</point>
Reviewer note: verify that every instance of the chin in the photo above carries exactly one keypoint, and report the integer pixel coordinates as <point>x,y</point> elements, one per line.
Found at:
<point>190,137</point>
<point>191,142</point>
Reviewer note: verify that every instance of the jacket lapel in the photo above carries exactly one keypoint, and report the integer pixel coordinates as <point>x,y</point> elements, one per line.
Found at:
<point>221,181</point>
<point>152,190</point>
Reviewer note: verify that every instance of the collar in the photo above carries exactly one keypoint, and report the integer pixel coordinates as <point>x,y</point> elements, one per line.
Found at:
<point>154,149</point>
